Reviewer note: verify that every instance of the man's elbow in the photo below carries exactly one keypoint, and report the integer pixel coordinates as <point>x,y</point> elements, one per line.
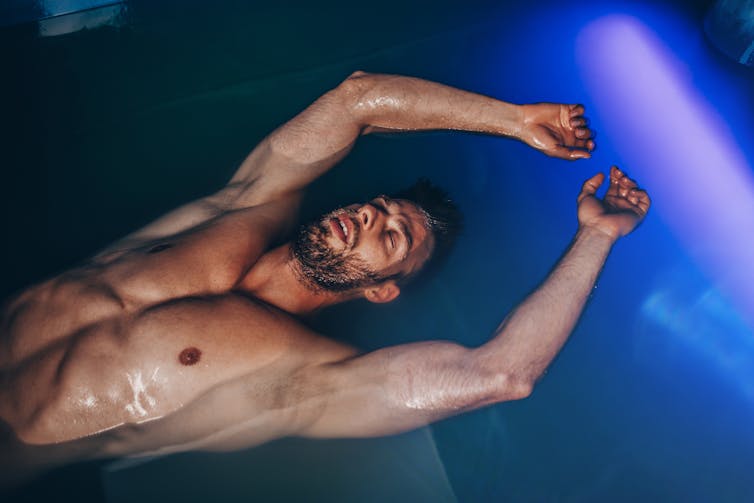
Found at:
<point>357,74</point>
<point>354,86</point>
<point>522,389</point>
<point>510,387</point>
<point>362,94</point>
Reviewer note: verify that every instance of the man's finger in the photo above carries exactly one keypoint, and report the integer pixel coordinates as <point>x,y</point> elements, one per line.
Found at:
<point>579,154</point>
<point>615,175</point>
<point>590,186</point>
<point>633,197</point>
<point>619,203</point>
<point>579,121</point>
<point>569,154</point>
<point>627,183</point>
<point>586,145</point>
<point>576,153</point>
<point>585,137</point>
<point>644,201</point>
<point>576,110</point>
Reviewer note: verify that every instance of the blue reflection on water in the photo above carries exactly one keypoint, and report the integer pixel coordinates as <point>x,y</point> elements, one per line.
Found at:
<point>684,312</point>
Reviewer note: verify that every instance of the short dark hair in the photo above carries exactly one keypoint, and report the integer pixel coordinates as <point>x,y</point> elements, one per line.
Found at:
<point>444,220</point>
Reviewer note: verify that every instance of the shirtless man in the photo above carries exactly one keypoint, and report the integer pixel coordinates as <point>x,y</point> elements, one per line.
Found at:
<point>184,335</point>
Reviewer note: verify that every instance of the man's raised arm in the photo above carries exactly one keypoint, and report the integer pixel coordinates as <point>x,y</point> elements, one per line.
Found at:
<point>307,146</point>
<point>403,387</point>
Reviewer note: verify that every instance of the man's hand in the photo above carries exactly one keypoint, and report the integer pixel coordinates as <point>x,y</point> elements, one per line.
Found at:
<point>557,130</point>
<point>620,211</point>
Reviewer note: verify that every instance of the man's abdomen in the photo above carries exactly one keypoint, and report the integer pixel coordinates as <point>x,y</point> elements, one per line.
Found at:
<point>38,331</point>
<point>53,311</point>
<point>135,368</point>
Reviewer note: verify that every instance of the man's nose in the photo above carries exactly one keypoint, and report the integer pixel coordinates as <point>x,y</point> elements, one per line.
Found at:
<point>368,216</point>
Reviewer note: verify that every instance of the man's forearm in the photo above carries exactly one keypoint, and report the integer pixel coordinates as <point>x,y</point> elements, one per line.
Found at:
<point>397,103</point>
<point>532,335</point>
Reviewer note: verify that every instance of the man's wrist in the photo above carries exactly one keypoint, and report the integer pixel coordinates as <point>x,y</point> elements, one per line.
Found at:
<point>517,123</point>
<point>597,233</point>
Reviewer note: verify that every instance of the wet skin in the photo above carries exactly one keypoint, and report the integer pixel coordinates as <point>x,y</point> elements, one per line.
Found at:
<point>184,334</point>
<point>134,336</point>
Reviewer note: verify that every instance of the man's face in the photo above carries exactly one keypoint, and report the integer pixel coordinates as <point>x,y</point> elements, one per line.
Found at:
<point>361,245</point>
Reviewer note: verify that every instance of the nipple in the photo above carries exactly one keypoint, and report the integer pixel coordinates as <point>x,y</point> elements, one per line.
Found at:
<point>189,356</point>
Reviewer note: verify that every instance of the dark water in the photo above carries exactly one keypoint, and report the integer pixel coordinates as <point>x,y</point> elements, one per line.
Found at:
<point>105,129</point>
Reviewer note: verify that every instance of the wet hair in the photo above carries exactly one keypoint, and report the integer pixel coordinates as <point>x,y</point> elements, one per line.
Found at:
<point>444,220</point>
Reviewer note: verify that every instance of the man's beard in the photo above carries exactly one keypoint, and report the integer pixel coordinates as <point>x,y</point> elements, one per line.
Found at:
<point>322,268</point>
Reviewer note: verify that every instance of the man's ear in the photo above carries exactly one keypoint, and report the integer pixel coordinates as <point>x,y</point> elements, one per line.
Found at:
<point>384,292</point>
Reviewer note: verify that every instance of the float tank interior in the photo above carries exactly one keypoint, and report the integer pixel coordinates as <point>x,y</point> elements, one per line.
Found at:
<point>117,117</point>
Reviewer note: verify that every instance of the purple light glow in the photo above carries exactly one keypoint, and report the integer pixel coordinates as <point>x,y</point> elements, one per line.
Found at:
<point>674,143</point>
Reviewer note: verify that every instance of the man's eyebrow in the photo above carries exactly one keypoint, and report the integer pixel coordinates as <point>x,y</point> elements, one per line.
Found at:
<point>404,228</point>
<point>406,232</point>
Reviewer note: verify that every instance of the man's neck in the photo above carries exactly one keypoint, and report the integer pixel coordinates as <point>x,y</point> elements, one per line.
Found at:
<point>274,280</point>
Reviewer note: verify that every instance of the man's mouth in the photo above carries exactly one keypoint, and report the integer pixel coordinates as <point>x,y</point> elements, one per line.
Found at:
<point>342,227</point>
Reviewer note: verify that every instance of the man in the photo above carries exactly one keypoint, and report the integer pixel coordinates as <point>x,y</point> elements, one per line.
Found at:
<point>183,335</point>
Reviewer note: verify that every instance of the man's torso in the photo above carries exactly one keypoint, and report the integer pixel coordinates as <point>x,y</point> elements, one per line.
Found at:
<point>135,336</point>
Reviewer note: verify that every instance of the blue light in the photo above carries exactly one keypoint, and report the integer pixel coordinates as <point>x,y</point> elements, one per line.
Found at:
<point>674,142</point>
